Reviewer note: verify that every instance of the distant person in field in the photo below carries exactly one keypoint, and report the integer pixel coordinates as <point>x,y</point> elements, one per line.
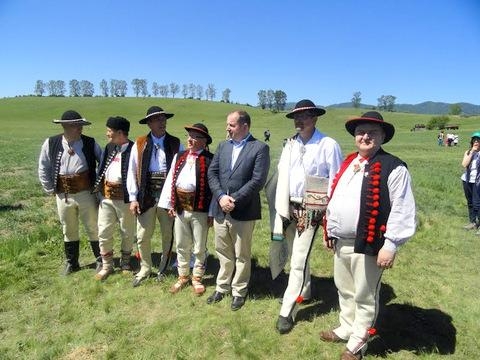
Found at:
<point>308,163</point>
<point>187,197</point>
<point>455,139</point>
<point>450,138</point>
<point>471,181</point>
<point>266,135</point>
<point>441,138</point>
<point>111,187</point>
<point>370,214</point>
<point>67,169</point>
<point>150,161</point>
<point>236,176</point>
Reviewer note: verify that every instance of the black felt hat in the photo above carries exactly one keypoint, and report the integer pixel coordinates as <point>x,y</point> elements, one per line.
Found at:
<point>199,127</point>
<point>373,117</point>
<point>118,123</point>
<point>305,105</point>
<point>72,117</point>
<point>155,110</point>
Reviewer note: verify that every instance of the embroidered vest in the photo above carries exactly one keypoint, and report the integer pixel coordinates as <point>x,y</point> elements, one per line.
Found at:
<point>108,155</point>
<point>145,148</point>
<point>374,200</point>
<point>55,150</point>
<point>203,195</point>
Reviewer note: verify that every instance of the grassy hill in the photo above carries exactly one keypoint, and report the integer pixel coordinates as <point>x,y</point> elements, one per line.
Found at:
<point>430,306</point>
<point>426,107</point>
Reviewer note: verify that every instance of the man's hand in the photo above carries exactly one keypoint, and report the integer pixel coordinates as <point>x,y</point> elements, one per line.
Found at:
<point>135,208</point>
<point>329,243</point>
<point>385,259</point>
<point>227,203</point>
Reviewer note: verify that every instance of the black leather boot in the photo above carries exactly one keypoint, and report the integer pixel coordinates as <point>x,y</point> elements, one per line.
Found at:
<point>72,250</point>
<point>96,252</point>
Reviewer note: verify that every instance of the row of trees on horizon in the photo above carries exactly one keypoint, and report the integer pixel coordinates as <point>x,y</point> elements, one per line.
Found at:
<point>274,100</point>
<point>119,88</point>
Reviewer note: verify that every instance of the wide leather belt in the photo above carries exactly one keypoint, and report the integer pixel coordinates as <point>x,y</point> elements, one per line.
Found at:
<point>155,181</point>
<point>72,184</point>
<point>113,191</point>
<point>185,199</point>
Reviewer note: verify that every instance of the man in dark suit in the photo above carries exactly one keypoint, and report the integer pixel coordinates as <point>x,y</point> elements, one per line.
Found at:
<point>236,175</point>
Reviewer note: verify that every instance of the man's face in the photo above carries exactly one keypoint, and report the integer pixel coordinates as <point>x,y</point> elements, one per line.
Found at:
<point>304,123</point>
<point>114,136</point>
<point>236,130</point>
<point>368,138</point>
<point>72,131</point>
<point>196,141</point>
<point>157,124</point>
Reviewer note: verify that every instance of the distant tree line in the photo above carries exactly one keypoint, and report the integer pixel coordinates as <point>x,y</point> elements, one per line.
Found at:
<point>272,100</point>
<point>385,102</point>
<point>118,88</point>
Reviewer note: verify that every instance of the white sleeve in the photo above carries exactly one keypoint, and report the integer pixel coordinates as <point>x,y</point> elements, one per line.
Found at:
<point>401,223</point>
<point>132,187</point>
<point>166,195</point>
<point>45,169</point>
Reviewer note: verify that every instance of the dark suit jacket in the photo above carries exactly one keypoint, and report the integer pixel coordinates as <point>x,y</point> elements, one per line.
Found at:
<point>243,182</point>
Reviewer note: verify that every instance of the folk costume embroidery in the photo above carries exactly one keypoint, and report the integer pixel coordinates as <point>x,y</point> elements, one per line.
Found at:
<point>201,181</point>
<point>373,229</point>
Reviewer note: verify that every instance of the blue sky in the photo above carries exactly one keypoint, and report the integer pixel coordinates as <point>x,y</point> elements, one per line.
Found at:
<point>325,50</point>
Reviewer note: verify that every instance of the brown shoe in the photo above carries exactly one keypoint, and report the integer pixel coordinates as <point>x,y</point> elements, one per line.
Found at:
<point>348,355</point>
<point>182,281</point>
<point>198,287</point>
<point>330,336</point>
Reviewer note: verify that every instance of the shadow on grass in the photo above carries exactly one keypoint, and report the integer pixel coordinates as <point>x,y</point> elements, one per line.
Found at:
<point>408,327</point>
<point>399,326</point>
<point>10,207</point>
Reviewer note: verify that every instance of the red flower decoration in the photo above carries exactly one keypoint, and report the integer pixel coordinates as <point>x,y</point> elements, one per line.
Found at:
<point>383,228</point>
<point>373,192</point>
<point>372,331</point>
<point>299,299</point>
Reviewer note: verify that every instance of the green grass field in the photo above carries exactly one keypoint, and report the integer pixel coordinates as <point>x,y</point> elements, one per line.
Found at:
<point>430,298</point>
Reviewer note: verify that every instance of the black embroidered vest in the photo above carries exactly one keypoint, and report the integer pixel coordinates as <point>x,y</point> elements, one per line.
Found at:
<point>171,147</point>
<point>55,150</point>
<point>203,194</point>
<point>108,155</point>
<point>375,203</point>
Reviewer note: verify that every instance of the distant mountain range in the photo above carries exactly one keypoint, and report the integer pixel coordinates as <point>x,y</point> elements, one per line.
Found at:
<point>427,107</point>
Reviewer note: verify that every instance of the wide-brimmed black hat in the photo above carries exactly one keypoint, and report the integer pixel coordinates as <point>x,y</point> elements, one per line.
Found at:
<point>199,127</point>
<point>155,110</point>
<point>373,117</point>
<point>72,117</point>
<point>305,105</point>
<point>118,123</point>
